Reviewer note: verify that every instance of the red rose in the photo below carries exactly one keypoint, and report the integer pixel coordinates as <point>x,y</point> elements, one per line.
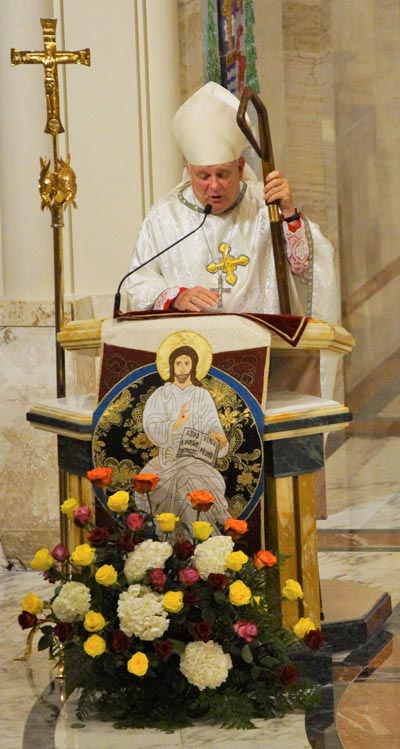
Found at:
<point>135,521</point>
<point>201,500</point>
<point>217,581</point>
<point>120,642</point>
<point>164,649</point>
<point>158,578</point>
<point>287,674</point>
<point>189,576</point>
<point>247,630</point>
<point>64,631</point>
<point>235,528</point>
<point>183,549</point>
<point>203,631</point>
<point>26,620</point>
<point>100,476</point>
<point>126,542</point>
<point>145,482</point>
<point>190,598</point>
<point>99,536</point>
<point>314,639</point>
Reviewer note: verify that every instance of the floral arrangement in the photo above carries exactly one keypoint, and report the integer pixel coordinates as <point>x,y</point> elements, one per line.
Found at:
<point>158,629</point>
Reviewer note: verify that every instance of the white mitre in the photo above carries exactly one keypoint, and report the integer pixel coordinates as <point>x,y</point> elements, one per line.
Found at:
<point>205,127</point>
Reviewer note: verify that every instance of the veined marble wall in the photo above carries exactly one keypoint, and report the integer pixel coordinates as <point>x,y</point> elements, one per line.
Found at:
<point>29,475</point>
<point>367,110</point>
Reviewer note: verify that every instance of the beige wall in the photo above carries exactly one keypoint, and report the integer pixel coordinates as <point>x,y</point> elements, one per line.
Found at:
<point>330,77</point>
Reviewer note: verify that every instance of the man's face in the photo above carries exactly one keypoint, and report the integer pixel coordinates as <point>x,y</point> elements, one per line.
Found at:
<point>182,369</point>
<point>217,185</point>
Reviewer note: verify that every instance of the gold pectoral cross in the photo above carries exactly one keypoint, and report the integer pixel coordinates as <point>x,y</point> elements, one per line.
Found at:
<point>50,57</point>
<point>228,264</point>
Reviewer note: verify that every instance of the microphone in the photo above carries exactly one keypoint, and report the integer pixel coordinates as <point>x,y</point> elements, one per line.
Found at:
<point>117,298</point>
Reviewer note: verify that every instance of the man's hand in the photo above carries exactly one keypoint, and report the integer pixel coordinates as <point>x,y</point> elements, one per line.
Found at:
<point>219,437</point>
<point>277,188</point>
<point>182,417</point>
<point>197,299</point>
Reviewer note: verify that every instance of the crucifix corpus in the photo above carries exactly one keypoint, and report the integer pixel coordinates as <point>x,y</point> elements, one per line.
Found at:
<point>58,187</point>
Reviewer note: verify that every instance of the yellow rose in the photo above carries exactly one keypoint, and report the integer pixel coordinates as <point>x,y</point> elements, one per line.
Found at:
<point>303,626</point>
<point>239,593</point>
<point>167,521</point>
<point>42,560</point>
<point>69,506</point>
<point>201,530</point>
<point>94,646</point>
<point>106,575</point>
<point>138,664</point>
<point>33,604</point>
<point>118,502</point>
<point>236,560</point>
<point>83,555</point>
<point>173,601</point>
<point>94,621</point>
<point>292,590</point>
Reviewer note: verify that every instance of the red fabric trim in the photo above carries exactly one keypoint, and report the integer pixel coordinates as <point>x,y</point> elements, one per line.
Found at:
<point>167,304</point>
<point>288,327</point>
<point>294,225</point>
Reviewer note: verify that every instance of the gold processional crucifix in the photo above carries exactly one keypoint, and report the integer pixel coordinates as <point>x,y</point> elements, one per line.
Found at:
<point>57,188</point>
<point>227,265</point>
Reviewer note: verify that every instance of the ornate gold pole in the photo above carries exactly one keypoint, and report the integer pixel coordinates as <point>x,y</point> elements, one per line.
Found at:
<point>57,189</point>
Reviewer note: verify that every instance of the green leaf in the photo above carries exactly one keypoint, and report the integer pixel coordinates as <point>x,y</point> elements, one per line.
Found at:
<point>246,654</point>
<point>44,642</point>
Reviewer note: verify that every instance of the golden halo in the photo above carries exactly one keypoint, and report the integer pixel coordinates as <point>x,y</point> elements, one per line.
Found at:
<point>184,338</point>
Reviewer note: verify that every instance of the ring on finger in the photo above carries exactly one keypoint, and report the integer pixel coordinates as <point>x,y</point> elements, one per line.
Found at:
<point>192,300</point>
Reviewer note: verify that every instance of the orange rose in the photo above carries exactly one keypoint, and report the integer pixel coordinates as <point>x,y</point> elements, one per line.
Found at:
<point>201,500</point>
<point>100,476</point>
<point>145,482</point>
<point>235,528</point>
<point>264,559</point>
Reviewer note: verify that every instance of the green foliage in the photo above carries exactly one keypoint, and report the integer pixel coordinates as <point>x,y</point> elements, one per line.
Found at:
<point>249,673</point>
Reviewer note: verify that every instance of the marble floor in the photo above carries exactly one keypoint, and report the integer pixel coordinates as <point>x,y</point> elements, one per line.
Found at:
<point>359,550</point>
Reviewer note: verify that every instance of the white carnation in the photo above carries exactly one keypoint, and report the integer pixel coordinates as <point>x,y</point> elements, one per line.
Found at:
<point>211,555</point>
<point>205,664</point>
<point>146,556</point>
<point>141,613</point>
<point>72,602</point>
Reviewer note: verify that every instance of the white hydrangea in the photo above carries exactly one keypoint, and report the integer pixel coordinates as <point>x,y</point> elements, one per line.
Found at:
<point>211,555</point>
<point>205,664</point>
<point>72,602</point>
<point>146,556</point>
<point>141,613</point>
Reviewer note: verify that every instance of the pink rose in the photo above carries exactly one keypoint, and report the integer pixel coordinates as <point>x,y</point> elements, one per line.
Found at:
<point>59,553</point>
<point>82,515</point>
<point>135,521</point>
<point>158,578</point>
<point>189,576</point>
<point>247,630</point>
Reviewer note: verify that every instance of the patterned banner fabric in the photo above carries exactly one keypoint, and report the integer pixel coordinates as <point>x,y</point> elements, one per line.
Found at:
<point>204,434</point>
<point>231,54</point>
